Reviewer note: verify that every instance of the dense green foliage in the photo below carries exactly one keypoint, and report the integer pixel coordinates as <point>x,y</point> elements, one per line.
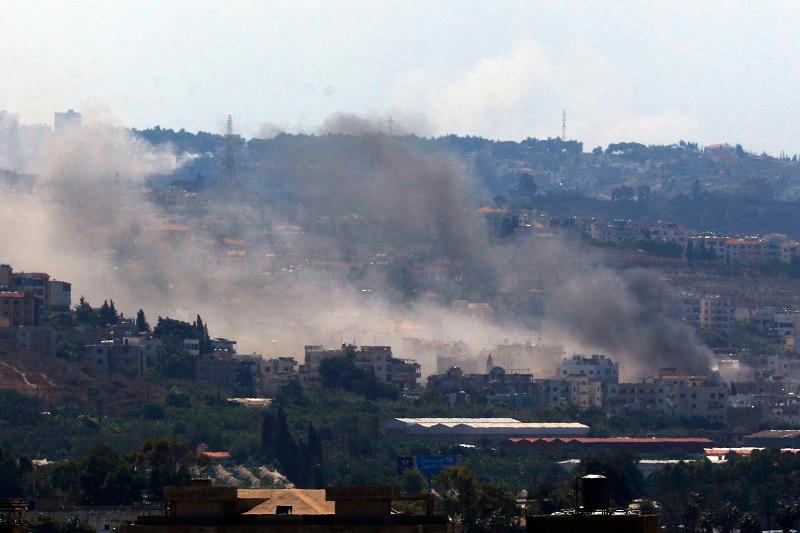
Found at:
<point>762,489</point>
<point>44,523</point>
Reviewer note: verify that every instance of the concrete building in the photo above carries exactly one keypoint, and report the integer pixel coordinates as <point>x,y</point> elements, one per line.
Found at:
<point>98,356</point>
<point>50,295</point>
<point>109,357</point>
<point>217,371</point>
<point>149,345</point>
<point>675,395</point>
<point>38,339</point>
<point>494,381</point>
<point>276,373</point>
<point>18,308</point>
<point>192,346</point>
<point>376,359</point>
<point>248,375</point>
<point>577,390</point>
<point>709,311</point>
<point>597,368</point>
<point>202,506</point>
<point>59,296</point>
<point>223,346</point>
<point>66,121</point>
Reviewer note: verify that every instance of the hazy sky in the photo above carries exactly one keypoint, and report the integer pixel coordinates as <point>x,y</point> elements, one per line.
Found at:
<point>646,71</point>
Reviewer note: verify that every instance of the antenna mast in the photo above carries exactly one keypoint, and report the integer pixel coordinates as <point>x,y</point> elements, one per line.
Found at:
<point>564,125</point>
<point>229,175</point>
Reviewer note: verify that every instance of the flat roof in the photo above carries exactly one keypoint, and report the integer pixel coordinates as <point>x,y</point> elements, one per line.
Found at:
<point>775,434</point>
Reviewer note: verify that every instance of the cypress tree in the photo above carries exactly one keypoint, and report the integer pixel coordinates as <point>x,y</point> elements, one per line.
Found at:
<point>268,436</point>
<point>315,459</point>
<point>141,322</point>
<point>285,446</point>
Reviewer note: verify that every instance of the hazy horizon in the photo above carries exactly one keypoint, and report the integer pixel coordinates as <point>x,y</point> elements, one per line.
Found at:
<point>626,71</point>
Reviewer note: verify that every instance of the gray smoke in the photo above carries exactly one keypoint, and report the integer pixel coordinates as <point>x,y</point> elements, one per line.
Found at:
<point>627,315</point>
<point>89,221</point>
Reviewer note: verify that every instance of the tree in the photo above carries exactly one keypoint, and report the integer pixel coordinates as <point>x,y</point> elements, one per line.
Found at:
<point>45,523</point>
<point>105,478</point>
<point>13,470</point>
<point>85,314</point>
<point>749,524</point>
<point>268,435</point>
<point>787,516</point>
<point>94,396</point>
<point>169,327</point>
<point>19,409</point>
<point>285,446</point>
<point>314,460</point>
<point>726,517</point>
<point>476,506</point>
<point>173,360</point>
<point>625,481</point>
<point>342,373</point>
<point>107,315</point>
<point>167,463</point>
<point>177,398</point>
<point>141,322</point>
<point>693,511</point>
<point>412,482</point>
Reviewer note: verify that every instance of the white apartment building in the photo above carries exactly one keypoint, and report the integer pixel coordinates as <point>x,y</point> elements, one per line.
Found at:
<point>597,367</point>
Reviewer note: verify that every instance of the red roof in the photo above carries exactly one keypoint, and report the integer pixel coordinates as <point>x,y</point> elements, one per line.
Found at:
<point>613,440</point>
<point>216,455</point>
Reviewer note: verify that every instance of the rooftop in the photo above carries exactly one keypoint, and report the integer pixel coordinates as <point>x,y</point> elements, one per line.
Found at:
<point>775,434</point>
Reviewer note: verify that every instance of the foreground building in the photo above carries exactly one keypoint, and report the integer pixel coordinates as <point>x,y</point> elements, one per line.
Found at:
<point>204,507</point>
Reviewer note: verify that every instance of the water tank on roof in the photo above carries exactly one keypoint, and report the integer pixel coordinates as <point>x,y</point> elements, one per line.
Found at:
<point>594,489</point>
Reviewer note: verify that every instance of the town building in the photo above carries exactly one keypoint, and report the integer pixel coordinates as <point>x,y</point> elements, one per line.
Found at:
<point>595,368</point>
<point>109,357</point>
<point>474,430</point>
<point>49,295</point>
<point>276,373</point>
<point>709,311</point>
<point>675,395</point>
<point>774,438</point>
<point>495,381</point>
<point>66,121</point>
<point>377,359</point>
<point>59,296</point>
<point>17,309</point>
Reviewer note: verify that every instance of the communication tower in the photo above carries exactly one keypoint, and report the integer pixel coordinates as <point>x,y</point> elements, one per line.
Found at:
<point>229,164</point>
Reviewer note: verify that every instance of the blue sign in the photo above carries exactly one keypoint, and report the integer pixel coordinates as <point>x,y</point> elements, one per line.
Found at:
<point>430,465</point>
<point>404,462</point>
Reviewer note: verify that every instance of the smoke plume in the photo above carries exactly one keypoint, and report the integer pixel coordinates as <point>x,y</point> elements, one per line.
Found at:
<point>364,237</point>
